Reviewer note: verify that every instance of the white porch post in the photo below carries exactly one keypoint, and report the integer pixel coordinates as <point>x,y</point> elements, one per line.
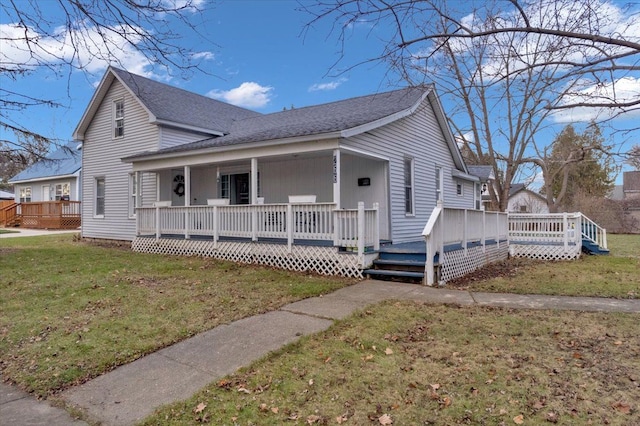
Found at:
<point>361,233</point>
<point>187,199</point>
<point>138,200</point>
<point>376,227</point>
<point>336,178</point>
<point>254,198</point>
<point>565,228</point>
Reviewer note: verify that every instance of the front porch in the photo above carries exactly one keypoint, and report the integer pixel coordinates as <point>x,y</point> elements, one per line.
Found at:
<point>295,236</point>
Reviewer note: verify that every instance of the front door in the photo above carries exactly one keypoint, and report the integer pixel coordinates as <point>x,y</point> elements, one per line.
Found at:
<point>240,188</point>
<point>46,193</point>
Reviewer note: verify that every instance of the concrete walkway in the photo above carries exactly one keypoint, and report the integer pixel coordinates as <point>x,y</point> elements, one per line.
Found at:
<point>132,392</point>
<point>24,232</point>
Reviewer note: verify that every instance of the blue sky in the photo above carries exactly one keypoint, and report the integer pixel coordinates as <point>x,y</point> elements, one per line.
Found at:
<point>257,54</point>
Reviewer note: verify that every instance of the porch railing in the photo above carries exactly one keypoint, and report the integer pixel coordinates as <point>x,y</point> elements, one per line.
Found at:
<point>357,228</point>
<point>49,214</point>
<point>552,228</point>
<point>460,227</point>
<point>8,213</point>
<point>594,232</point>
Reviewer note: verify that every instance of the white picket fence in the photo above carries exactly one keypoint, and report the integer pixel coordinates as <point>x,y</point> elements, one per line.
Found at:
<point>351,228</point>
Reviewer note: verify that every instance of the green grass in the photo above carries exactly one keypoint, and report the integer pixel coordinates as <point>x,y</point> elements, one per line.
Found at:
<point>70,311</point>
<point>7,231</point>
<point>616,275</point>
<point>420,364</point>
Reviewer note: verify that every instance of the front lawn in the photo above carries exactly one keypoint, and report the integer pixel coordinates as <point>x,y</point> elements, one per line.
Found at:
<point>414,364</point>
<point>616,275</point>
<point>70,311</point>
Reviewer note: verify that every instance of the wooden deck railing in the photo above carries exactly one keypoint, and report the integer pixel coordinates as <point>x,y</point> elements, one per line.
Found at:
<point>357,228</point>
<point>8,213</point>
<point>50,214</point>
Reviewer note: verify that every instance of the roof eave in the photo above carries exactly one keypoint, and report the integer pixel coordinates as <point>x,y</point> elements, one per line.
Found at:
<point>247,145</point>
<point>385,120</point>
<point>40,179</point>
<point>188,127</point>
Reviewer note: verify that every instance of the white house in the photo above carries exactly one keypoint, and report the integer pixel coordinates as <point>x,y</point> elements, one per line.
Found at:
<point>54,178</point>
<point>161,165</point>
<point>523,200</point>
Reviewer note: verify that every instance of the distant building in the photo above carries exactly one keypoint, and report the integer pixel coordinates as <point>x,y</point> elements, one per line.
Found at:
<point>522,200</point>
<point>4,195</point>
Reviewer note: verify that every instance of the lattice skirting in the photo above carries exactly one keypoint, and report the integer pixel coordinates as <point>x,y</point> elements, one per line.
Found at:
<point>322,260</point>
<point>455,264</point>
<point>545,252</point>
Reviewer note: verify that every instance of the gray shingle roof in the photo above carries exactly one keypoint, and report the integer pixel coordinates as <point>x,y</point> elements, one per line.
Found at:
<point>4,195</point>
<point>483,172</point>
<point>171,104</point>
<point>516,187</point>
<point>312,120</point>
<point>65,161</point>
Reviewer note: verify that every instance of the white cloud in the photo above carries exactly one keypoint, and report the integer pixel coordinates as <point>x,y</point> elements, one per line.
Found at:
<point>332,85</point>
<point>248,94</point>
<point>90,50</point>
<point>203,55</point>
<point>625,89</point>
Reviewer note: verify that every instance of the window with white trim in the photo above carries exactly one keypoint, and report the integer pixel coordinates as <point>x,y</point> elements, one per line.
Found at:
<point>118,118</point>
<point>439,184</point>
<point>63,191</point>
<point>408,187</point>
<point>133,194</point>
<point>25,194</point>
<point>100,190</point>
<point>459,189</point>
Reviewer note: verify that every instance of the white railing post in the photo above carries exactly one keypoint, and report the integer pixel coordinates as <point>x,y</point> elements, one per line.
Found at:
<point>360,228</point>
<point>254,223</point>
<point>289,226</point>
<point>566,231</point>
<point>497,229</point>
<point>215,227</point>
<point>484,232</point>
<point>464,233</point>
<point>157,223</point>
<point>376,227</point>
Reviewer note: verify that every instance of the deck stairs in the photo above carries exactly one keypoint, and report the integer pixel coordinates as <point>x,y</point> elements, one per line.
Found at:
<point>591,247</point>
<point>399,262</point>
<point>594,239</point>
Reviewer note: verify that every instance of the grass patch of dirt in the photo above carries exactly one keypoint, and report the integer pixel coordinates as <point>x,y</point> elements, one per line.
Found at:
<point>405,363</point>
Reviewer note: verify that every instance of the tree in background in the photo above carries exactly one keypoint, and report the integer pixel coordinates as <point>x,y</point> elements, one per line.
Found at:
<point>511,67</point>
<point>82,35</point>
<point>634,157</point>
<point>14,161</point>
<point>577,165</point>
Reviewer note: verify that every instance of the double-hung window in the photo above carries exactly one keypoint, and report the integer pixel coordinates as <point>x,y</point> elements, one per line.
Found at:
<point>133,194</point>
<point>63,191</point>
<point>25,194</point>
<point>408,187</point>
<point>100,196</point>
<point>118,118</point>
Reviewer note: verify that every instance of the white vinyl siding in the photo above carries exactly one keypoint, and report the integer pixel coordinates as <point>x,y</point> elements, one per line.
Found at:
<point>170,136</point>
<point>101,157</point>
<point>420,136</point>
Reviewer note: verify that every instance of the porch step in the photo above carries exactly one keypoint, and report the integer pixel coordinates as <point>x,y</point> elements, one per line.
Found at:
<point>400,262</point>
<point>399,275</point>
<point>589,247</point>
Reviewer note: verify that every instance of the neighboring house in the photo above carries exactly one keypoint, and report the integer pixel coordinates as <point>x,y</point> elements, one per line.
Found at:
<point>4,195</point>
<point>54,178</point>
<point>631,185</point>
<point>145,142</point>
<point>486,176</point>
<point>522,200</point>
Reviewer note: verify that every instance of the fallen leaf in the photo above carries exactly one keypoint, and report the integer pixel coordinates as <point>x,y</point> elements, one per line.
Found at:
<point>622,407</point>
<point>313,419</point>
<point>552,417</point>
<point>200,408</point>
<point>368,357</point>
<point>617,342</point>
<point>275,410</point>
<point>435,386</point>
<point>518,419</point>
<point>310,382</point>
<point>263,407</point>
<point>385,419</point>
<point>446,401</point>
<point>244,390</point>
<point>341,419</point>
<point>388,351</point>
